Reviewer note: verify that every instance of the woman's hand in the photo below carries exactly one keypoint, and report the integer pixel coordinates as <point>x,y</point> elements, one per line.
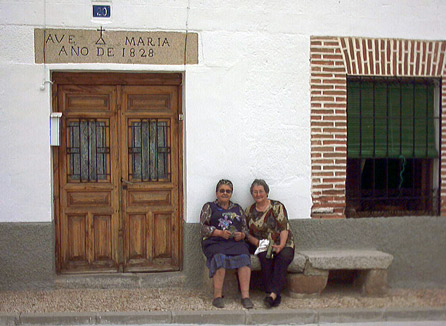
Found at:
<point>253,240</point>
<point>277,248</point>
<point>225,234</point>
<point>238,236</point>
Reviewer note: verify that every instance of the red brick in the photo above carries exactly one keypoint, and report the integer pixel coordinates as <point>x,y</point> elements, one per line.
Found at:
<point>323,149</point>
<point>321,124</point>
<point>322,98</point>
<point>335,130</point>
<point>322,86</point>
<point>322,111</point>
<point>322,75</point>
<point>323,136</point>
<point>321,50</point>
<point>334,57</point>
<point>334,105</point>
<point>323,186</point>
<point>337,154</point>
<point>335,142</point>
<point>322,62</point>
<point>331,42</point>
<point>333,192</point>
<point>334,81</point>
<point>335,92</point>
<point>328,69</point>
<point>322,174</point>
<point>333,118</point>
<point>332,180</point>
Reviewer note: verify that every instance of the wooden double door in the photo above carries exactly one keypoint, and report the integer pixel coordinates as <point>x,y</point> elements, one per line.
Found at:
<point>117,172</point>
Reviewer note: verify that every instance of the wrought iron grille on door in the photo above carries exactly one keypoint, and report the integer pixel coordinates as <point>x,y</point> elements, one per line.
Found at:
<point>149,150</point>
<point>88,150</point>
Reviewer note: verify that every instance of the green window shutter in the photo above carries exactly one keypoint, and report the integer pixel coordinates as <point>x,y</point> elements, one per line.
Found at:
<point>390,119</point>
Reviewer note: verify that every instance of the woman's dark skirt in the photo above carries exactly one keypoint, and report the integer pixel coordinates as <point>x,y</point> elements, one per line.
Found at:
<point>227,254</point>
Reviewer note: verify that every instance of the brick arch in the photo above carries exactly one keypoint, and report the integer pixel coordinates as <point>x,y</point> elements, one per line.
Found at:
<point>392,57</point>
<point>332,60</point>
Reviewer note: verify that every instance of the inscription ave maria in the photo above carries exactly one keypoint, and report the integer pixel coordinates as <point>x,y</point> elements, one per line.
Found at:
<point>102,46</point>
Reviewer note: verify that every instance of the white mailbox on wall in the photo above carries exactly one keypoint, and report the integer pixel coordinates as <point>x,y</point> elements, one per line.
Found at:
<point>54,128</point>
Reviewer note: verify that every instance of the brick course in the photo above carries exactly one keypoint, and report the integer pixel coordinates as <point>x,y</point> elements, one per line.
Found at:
<point>332,60</point>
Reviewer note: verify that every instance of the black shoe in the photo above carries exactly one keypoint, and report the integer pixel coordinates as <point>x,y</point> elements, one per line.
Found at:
<point>277,301</point>
<point>218,302</point>
<point>247,303</point>
<point>268,302</point>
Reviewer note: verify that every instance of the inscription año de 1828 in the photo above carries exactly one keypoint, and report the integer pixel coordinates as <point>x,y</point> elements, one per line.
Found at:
<point>101,46</point>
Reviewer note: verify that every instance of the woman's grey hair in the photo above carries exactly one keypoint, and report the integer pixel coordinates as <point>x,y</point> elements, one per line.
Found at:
<point>260,182</point>
<point>224,182</point>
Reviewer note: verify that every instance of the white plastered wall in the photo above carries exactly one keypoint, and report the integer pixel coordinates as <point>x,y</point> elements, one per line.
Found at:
<point>246,104</point>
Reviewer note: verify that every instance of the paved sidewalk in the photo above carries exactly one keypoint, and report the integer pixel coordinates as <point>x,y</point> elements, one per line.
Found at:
<point>176,305</point>
<point>240,317</point>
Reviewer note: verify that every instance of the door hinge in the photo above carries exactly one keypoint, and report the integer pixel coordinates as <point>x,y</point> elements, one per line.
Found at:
<point>181,117</point>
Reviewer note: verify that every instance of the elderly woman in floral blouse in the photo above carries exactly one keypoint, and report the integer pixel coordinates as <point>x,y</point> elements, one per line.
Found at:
<point>223,228</point>
<point>268,219</point>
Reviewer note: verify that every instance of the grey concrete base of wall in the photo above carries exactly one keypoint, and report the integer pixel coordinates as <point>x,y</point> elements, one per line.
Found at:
<point>27,251</point>
<point>27,255</point>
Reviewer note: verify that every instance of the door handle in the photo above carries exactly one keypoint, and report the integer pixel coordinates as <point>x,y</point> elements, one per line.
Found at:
<point>125,183</point>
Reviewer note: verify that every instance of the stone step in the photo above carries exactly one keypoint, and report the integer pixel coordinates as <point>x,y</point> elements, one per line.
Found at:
<point>120,280</point>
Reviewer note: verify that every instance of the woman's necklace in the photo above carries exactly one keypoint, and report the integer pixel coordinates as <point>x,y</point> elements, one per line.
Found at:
<point>263,207</point>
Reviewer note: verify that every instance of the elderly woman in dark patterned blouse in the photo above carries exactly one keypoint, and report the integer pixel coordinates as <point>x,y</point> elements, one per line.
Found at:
<point>223,228</point>
<point>268,219</point>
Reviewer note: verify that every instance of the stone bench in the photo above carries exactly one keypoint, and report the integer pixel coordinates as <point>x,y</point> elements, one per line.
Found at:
<point>371,264</point>
<point>308,272</point>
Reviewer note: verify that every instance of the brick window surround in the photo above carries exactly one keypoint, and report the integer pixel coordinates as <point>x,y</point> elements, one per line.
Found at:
<point>332,60</point>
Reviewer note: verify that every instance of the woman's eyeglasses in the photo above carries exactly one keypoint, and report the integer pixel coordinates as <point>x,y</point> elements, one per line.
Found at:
<point>222,191</point>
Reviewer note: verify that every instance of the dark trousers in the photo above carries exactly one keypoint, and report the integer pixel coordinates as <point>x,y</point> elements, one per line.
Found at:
<point>274,270</point>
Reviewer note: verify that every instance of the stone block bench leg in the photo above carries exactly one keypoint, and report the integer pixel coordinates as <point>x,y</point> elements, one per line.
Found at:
<point>373,281</point>
<point>299,283</point>
<point>230,285</point>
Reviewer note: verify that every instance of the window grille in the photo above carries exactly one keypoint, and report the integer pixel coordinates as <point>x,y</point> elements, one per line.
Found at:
<point>392,146</point>
<point>88,150</point>
<point>149,150</point>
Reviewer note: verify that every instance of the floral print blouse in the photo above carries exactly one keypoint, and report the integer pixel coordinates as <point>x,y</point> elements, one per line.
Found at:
<point>230,217</point>
<point>262,225</point>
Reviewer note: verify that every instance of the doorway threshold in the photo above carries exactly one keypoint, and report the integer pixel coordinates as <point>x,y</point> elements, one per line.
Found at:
<point>120,280</point>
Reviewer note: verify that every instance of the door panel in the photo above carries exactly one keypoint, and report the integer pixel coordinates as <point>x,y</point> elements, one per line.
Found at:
<point>117,174</point>
<point>150,177</point>
<point>89,202</point>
